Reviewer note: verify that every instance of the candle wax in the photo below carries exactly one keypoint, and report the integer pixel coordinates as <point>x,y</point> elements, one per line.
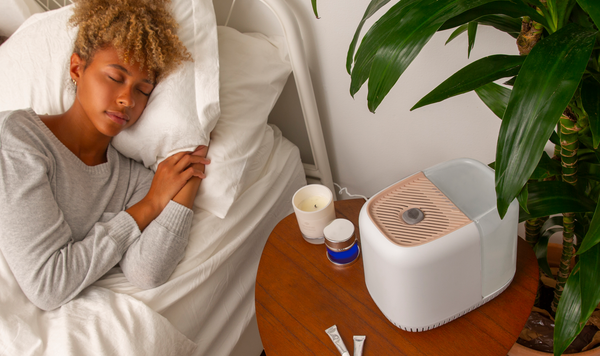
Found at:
<point>313,203</point>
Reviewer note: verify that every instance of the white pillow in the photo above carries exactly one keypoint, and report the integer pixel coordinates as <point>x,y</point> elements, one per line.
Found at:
<point>181,112</point>
<point>254,70</point>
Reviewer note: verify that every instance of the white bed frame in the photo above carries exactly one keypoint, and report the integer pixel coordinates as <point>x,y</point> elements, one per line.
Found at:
<point>250,16</point>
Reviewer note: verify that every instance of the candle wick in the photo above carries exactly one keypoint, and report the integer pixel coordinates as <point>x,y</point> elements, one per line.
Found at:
<point>315,205</point>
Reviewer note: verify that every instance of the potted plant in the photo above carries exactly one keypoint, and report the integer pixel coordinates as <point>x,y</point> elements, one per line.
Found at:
<point>551,92</point>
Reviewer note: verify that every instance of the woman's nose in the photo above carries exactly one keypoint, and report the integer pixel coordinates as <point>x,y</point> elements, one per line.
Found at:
<point>126,99</point>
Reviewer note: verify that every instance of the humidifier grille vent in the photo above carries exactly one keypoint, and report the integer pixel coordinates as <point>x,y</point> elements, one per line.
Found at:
<point>441,216</point>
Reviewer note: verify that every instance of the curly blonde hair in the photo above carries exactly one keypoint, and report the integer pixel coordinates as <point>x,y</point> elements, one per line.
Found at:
<point>142,31</point>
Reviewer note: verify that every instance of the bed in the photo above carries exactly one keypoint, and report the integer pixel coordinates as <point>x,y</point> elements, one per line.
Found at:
<point>207,306</point>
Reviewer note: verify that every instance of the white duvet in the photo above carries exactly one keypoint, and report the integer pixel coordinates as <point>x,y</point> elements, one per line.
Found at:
<point>202,310</point>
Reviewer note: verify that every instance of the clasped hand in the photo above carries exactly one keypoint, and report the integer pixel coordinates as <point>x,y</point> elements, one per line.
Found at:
<point>174,172</point>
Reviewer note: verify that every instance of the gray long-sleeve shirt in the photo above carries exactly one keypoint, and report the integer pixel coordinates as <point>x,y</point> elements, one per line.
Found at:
<point>63,224</point>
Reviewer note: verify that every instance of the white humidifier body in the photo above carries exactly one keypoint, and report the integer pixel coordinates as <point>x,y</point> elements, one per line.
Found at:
<point>434,247</point>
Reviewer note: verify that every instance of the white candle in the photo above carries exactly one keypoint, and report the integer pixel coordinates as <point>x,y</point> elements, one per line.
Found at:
<point>313,205</point>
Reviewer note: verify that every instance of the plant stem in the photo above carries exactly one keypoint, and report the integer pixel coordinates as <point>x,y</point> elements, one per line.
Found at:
<point>569,144</point>
<point>531,32</point>
<point>533,228</point>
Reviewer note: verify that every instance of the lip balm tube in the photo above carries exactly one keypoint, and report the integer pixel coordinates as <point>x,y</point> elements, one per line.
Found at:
<point>359,341</point>
<point>337,340</point>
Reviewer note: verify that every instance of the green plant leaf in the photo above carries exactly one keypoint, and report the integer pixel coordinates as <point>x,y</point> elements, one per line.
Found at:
<point>373,7</point>
<point>546,83</point>
<point>546,168</point>
<point>553,221</point>
<point>568,314</point>
<point>514,9</point>
<point>592,8</point>
<point>563,10</point>
<point>522,198</point>
<point>592,237</point>
<point>541,250</point>
<point>589,170</point>
<point>503,23</point>
<point>590,286</point>
<point>459,31</point>
<point>590,98</point>
<point>587,141</point>
<point>396,39</point>
<point>554,138</point>
<point>472,32</point>
<point>581,17</point>
<point>314,7</point>
<point>551,5</point>
<point>495,97</point>
<point>473,76</point>
<point>554,197</point>
<point>511,81</point>
<point>579,299</point>
<point>374,38</point>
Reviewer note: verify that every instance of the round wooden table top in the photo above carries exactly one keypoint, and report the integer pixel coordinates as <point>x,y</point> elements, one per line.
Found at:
<point>299,294</point>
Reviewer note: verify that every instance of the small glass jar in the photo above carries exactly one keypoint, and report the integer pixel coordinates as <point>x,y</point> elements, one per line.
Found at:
<point>340,241</point>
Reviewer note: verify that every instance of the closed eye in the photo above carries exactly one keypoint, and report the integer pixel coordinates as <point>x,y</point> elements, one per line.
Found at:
<point>115,80</point>
<point>146,94</point>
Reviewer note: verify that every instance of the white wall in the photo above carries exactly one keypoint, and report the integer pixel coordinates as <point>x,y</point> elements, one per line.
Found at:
<point>371,151</point>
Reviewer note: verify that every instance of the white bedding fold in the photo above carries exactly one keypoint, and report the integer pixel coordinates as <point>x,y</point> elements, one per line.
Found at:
<point>97,322</point>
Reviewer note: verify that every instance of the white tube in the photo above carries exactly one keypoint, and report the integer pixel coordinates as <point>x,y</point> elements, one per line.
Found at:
<point>359,341</point>
<point>337,340</point>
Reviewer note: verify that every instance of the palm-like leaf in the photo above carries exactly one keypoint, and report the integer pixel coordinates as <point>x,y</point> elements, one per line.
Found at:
<point>514,9</point>
<point>503,23</point>
<point>568,314</point>
<point>394,41</point>
<point>592,8</point>
<point>545,85</point>
<point>579,299</point>
<point>495,97</point>
<point>554,197</point>
<point>473,76</point>
<point>592,238</point>
<point>590,97</point>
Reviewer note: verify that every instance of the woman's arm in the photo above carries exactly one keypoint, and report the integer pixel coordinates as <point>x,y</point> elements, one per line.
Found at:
<point>151,260</point>
<point>37,242</point>
<point>177,178</point>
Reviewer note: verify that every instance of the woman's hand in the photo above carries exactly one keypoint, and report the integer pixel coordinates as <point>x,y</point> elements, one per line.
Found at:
<point>174,172</point>
<point>187,194</point>
<point>177,178</point>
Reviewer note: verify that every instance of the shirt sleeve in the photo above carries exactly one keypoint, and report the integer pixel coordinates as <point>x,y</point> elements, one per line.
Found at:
<point>50,267</point>
<point>151,259</point>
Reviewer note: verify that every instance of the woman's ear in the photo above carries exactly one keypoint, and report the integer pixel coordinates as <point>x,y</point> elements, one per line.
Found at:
<point>76,67</point>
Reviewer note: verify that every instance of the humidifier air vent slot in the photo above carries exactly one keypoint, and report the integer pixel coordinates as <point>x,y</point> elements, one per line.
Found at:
<point>441,215</point>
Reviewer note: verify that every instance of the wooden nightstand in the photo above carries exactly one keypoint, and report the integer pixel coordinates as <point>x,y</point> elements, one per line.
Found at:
<point>299,294</point>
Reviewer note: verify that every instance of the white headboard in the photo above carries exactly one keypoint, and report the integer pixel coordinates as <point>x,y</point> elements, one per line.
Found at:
<point>253,16</point>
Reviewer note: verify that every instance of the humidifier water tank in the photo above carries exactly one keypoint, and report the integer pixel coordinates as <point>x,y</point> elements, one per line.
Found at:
<point>434,247</point>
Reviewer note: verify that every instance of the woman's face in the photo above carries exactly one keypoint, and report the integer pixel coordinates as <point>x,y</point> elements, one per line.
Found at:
<point>112,94</point>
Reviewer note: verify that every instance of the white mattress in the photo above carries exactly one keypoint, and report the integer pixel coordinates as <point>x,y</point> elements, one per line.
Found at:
<point>208,300</point>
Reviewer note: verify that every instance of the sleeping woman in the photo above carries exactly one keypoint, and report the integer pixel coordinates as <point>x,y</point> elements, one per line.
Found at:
<point>72,207</point>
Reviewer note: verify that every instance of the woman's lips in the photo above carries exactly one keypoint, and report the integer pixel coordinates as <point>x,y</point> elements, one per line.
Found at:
<point>118,117</point>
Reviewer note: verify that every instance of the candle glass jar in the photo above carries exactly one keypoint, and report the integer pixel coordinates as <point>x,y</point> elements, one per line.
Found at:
<point>313,205</point>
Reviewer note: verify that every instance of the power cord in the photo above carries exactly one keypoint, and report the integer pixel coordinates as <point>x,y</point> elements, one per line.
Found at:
<point>348,193</point>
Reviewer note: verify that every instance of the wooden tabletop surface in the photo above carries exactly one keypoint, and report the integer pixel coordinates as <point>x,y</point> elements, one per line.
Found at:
<point>299,294</point>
